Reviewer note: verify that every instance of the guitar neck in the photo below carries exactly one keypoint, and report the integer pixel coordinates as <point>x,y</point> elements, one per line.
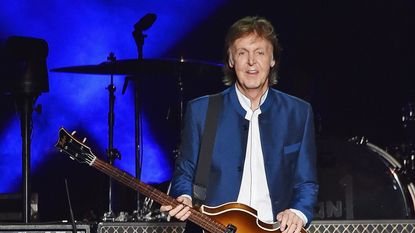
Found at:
<point>197,217</point>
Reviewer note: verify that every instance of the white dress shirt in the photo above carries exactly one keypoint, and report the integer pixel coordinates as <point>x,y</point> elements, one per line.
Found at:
<point>254,190</point>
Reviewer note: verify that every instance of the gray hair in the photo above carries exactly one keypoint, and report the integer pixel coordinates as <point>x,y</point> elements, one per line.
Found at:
<point>246,26</point>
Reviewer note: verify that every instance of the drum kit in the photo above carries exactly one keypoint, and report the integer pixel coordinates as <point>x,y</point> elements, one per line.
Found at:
<point>360,180</point>
<point>185,72</point>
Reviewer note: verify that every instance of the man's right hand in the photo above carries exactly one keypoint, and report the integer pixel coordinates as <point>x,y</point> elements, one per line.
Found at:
<point>181,211</point>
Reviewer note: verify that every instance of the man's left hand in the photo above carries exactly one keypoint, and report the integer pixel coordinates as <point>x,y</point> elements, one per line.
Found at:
<point>289,222</point>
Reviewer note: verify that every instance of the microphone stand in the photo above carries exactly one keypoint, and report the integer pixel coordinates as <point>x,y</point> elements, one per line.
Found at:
<point>139,39</point>
<point>143,24</point>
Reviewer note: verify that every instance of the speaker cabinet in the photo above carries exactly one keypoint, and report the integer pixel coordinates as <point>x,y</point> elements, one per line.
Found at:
<point>354,226</point>
<point>43,228</point>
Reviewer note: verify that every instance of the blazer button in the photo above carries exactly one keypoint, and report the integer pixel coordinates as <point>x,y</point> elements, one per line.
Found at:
<point>245,127</point>
<point>239,168</point>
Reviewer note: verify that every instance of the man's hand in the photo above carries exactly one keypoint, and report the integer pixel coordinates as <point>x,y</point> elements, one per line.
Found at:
<point>182,211</point>
<point>289,222</point>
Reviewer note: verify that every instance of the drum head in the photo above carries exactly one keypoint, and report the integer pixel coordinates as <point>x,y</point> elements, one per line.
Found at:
<point>358,183</point>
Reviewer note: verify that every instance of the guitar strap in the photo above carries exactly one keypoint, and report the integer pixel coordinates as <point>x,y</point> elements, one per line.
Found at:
<point>206,148</point>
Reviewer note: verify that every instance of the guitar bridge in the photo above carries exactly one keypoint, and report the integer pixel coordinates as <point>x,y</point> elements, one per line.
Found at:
<point>230,228</point>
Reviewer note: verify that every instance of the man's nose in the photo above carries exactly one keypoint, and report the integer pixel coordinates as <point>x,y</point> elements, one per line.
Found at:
<point>251,59</point>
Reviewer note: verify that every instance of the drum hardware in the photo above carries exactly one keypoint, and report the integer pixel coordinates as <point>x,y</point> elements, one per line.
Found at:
<point>408,115</point>
<point>144,69</point>
<point>361,140</point>
<point>397,170</point>
<point>111,67</point>
<point>404,151</point>
<point>112,153</point>
<point>137,70</point>
<point>408,123</point>
<point>150,67</point>
<point>364,141</point>
<point>122,217</point>
<point>148,214</point>
<point>411,188</point>
<point>359,180</point>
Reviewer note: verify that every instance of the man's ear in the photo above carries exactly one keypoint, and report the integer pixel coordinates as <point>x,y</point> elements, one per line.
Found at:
<point>231,63</point>
<point>273,62</point>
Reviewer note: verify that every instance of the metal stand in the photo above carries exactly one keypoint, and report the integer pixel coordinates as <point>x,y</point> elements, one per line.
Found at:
<point>408,147</point>
<point>26,110</point>
<point>143,24</point>
<point>27,78</point>
<point>112,153</point>
<point>138,145</point>
<point>176,151</point>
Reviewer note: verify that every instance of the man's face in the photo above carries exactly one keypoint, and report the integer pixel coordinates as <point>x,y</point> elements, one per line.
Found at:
<point>252,58</point>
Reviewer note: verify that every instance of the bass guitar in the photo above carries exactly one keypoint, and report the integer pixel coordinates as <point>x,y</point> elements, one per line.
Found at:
<point>227,218</point>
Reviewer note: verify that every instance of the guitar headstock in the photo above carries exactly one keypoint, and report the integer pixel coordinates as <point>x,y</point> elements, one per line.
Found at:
<point>74,148</point>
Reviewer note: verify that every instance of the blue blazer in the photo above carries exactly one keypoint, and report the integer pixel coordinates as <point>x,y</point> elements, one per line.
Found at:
<point>287,136</point>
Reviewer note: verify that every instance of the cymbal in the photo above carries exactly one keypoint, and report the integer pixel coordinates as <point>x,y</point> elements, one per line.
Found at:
<point>148,67</point>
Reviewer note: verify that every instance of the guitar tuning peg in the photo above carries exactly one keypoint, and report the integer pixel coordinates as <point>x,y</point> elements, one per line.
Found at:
<point>84,140</point>
<point>73,133</point>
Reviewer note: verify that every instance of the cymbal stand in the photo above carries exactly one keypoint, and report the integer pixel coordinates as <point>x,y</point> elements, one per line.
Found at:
<point>112,153</point>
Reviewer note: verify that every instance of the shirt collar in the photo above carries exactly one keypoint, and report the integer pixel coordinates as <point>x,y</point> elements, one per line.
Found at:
<point>246,102</point>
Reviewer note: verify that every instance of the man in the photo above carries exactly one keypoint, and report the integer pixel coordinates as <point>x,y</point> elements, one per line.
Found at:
<point>264,149</point>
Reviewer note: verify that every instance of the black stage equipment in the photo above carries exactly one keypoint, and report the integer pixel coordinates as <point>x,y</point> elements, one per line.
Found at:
<point>24,75</point>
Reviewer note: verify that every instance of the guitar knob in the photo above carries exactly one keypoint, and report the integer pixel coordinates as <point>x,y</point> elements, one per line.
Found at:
<point>73,133</point>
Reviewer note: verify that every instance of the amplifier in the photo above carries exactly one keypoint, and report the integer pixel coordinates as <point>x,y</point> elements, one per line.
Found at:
<point>43,228</point>
<point>353,226</point>
<point>140,227</point>
<point>363,226</point>
<point>11,205</point>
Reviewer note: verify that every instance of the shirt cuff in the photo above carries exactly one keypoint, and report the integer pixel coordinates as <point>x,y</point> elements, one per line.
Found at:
<point>185,195</point>
<point>300,215</point>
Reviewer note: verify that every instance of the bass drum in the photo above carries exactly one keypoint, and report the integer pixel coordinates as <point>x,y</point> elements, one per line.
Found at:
<point>360,181</point>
